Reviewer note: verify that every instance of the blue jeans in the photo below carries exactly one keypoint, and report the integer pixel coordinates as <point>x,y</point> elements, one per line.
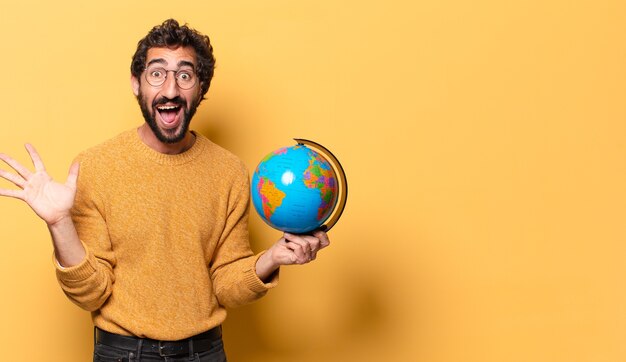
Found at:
<point>104,353</point>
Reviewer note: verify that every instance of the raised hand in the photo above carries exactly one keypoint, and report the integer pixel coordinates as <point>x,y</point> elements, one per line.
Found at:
<point>50,200</point>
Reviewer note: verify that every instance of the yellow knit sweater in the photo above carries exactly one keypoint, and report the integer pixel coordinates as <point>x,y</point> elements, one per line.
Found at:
<point>166,238</point>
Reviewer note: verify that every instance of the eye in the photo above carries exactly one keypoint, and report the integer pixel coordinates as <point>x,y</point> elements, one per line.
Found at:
<point>184,75</point>
<point>157,73</point>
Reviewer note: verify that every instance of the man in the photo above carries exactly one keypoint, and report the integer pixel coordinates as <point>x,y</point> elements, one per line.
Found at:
<point>152,237</point>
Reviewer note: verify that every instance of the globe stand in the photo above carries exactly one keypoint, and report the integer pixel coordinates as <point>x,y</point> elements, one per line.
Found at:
<point>343,182</point>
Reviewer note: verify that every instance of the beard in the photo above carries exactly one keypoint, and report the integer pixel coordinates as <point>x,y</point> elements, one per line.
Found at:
<point>167,136</point>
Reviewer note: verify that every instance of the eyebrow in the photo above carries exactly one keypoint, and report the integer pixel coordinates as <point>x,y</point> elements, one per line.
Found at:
<point>182,63</point>
<point>156,60</point>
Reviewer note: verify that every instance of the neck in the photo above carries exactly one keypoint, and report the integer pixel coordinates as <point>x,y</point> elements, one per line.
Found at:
<point>147,137</point>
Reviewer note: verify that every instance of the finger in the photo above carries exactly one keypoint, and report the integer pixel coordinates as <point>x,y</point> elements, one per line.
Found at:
<point>314,245</point>
<point>298,251</point>
<point>72,176</point>
<point>301,240</point>
<point>23,171</point>
<point>284,255</point>
<point>18,194</point>
<point>34,156</point>
<point>314,242</point>
<point>17,180</point>
<point>299,248</point>
<point>322,236</point>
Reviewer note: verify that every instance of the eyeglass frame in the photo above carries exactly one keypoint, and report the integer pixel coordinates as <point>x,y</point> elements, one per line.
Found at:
<point>191,71</point>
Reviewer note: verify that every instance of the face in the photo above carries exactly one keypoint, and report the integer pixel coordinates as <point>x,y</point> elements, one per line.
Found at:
<point>167,108</point>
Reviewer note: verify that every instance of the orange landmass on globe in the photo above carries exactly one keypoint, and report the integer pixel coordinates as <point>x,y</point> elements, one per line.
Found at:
<point>271,196</point>
<point>318,177</point>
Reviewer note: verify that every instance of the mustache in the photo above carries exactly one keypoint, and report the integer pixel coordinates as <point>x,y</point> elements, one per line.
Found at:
<point>164,100</point>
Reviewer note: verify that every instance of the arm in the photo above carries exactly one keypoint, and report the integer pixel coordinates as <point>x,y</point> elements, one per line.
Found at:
<point>50,200</point>
<point>85,278</point>
<point>232,264</point>
<point>89,283</point>
<point>239,276</point>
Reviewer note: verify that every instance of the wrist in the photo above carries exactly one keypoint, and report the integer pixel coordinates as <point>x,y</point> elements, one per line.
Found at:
<point>60,221</point>
<point>68,249</point>
<point>265,265</point>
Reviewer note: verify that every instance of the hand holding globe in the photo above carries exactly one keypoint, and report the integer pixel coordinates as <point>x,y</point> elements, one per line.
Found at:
<point>301,191</point>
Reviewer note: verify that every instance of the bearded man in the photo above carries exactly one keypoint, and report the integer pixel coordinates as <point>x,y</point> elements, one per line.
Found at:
<point>152,237</point>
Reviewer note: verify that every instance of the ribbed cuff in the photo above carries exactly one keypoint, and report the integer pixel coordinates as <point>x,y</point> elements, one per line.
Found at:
<point>252,280</point>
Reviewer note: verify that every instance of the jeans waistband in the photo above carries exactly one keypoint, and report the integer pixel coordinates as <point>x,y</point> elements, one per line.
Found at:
<point>198,343</point>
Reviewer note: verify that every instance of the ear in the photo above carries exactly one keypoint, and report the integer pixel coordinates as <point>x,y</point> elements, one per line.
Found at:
<point>134,83</point>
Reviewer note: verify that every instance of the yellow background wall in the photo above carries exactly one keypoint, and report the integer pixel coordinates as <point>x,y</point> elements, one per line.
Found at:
<point>484,143</point>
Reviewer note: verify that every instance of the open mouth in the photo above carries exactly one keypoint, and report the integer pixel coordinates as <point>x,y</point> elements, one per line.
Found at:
<point>169,113</point>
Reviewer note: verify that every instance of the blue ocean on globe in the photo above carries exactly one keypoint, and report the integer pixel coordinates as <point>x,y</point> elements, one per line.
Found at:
<point>294,189</point>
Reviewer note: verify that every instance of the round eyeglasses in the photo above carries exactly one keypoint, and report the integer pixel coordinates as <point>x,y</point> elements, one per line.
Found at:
<point>185,78</point>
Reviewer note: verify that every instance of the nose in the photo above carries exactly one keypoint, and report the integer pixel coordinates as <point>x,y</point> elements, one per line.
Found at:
<point>169,88</point>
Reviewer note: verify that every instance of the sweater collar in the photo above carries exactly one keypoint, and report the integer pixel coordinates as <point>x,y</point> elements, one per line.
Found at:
<point>165,159</point>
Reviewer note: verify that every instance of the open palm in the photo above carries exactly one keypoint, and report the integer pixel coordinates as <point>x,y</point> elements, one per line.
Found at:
<point>50,200</point>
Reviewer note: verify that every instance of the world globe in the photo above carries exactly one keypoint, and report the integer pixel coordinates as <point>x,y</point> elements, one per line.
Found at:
<point>299,189</point>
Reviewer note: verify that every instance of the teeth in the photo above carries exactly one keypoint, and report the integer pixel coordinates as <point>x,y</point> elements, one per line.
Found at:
<point>167,108</point>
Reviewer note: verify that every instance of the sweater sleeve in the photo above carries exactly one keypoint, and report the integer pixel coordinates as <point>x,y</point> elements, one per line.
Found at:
<point>233,267</point>
<point>89,283</point>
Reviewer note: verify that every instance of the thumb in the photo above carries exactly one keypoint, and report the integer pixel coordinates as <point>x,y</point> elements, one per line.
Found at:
<point>72,176</point>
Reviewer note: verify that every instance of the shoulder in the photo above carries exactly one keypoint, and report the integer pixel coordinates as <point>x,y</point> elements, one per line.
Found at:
<point>97,161</point>
<point>111,148</point>
<point>224,160</point>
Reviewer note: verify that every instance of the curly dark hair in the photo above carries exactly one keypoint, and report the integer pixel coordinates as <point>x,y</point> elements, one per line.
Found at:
<point>171,35</point>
